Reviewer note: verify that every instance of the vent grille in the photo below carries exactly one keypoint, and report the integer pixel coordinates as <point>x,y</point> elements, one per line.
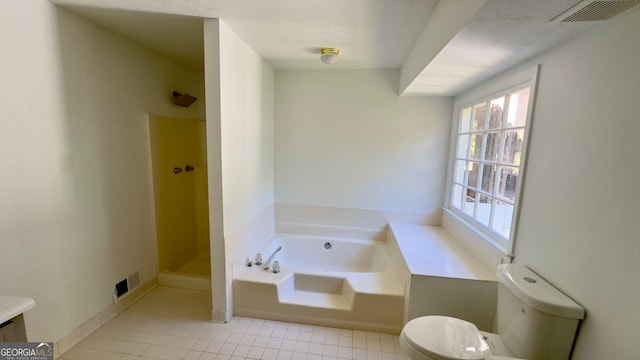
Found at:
<point>125,285</point>
<point>595,10</point>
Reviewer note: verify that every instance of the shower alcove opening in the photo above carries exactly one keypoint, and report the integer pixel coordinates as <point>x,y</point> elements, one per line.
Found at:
<point>178,156</point>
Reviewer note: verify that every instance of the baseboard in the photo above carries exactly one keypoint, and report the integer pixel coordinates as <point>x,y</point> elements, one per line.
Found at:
<point>93,324</point>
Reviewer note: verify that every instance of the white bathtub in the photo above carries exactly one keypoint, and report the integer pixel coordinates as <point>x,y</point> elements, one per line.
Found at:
<point>327,254</point>
<point>325,281</point>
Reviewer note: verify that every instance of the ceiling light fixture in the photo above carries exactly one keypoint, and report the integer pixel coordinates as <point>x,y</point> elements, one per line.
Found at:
<point>329,55</point>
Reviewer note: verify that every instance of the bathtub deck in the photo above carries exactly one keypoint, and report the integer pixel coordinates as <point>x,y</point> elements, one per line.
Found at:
<point>431,251</point>
<point>444,277</point>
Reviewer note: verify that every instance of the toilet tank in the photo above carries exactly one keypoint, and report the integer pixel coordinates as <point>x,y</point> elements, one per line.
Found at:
<point>534,319</point>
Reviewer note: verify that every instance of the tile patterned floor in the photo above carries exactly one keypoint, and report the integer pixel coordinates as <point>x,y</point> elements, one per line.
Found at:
<point>173,323</point>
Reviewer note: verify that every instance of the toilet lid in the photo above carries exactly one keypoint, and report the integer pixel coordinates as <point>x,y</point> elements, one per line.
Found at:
<point>446,337</point>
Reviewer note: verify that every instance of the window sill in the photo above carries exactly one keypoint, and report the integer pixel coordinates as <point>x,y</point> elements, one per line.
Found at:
<point>490,250</point>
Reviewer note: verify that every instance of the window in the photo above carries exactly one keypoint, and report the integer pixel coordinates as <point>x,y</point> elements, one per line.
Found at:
<point>488,162</point>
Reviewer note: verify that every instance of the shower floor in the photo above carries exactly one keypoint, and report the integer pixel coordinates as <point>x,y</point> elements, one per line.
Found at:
<point>200,266</point>
<point>196,275</point>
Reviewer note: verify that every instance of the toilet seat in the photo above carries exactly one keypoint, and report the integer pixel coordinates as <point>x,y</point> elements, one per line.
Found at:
<point>446,338</point>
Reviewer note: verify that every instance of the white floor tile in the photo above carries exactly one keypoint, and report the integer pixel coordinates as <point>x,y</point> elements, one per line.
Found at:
<point>288,345</point>
<point>300,356</point>
<point>172,324</point>
<point>302,346</point>
<point>359,343</point>
<point>227,349</point>
<point>291,334</point>
<point>318,338</point>
<point>255,352</point>
<point>389,356</point>
<point>79,353</point>
<point>200,345</point>
<point>261,341</point>
<point>274,343</point>
<point>316,349</point>
<point>359,354</point>
<point>284,355</point>
<point>207,356</point>
<point>374,355</point>
<point>330,350</point>
<point>164,353</point>
<point>387,346</point>
<point>265,331</point>
<point>192,355</point>
<point>278,333</point>
<point>247,339</point>
<point>234,338</point>
<point>214,347</point>
<point>241,350</point>
<point>221,336</point>
<point>373,344</point>
<point>270,354</point>
<point>305,336</point>
<point>345,341</point>
<point>345,352</point>
<point>332,339</point>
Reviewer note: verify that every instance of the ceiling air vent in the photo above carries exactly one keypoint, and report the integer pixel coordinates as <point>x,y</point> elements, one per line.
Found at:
<point>590,10</point>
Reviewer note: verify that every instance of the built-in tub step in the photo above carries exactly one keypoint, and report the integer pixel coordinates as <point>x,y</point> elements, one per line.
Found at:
<point>316,291</point>
<point>315,299</point>
<point>326,300</point>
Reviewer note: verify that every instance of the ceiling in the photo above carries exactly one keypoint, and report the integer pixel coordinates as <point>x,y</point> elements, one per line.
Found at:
<point>442,47</point>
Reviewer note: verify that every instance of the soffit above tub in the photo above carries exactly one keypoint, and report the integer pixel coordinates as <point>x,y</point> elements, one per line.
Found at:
<point>501,34</point>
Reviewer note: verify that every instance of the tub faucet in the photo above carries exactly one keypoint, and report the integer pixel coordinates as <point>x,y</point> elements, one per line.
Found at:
<point>267,263</point>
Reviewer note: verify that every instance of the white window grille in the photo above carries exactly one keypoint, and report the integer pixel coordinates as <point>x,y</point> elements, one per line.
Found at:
<point>488,161</point>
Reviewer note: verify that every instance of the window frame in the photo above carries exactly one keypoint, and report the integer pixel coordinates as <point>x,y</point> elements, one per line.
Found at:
<point>483,93</point>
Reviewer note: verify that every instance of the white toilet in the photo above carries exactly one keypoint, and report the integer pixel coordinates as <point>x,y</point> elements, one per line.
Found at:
<point>534,320</point>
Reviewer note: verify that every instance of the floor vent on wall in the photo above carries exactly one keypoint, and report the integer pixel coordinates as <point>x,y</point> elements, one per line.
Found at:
<point>590,10</point>
<point>125,285</point>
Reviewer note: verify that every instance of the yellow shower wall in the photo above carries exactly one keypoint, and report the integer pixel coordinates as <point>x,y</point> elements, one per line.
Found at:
<point>182,219</point>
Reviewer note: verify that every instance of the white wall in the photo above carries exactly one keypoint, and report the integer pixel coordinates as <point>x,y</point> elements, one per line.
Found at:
<point>247,111</point>
<point>579,219</point>
<point>76,208</point>
<point>242,106</point>
<point>345,139</point>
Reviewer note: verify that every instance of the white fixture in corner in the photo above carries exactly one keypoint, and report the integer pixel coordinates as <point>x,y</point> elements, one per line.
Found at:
<point>329,55</point>
<point>534,320</point>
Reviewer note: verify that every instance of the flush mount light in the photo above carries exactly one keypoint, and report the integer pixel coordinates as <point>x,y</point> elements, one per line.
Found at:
<point>329,55</point>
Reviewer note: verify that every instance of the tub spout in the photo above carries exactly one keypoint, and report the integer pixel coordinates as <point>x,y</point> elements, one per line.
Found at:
<point>267,263</point>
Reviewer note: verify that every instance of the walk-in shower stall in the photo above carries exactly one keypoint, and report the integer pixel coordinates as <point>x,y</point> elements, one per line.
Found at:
<point>178,152</point>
